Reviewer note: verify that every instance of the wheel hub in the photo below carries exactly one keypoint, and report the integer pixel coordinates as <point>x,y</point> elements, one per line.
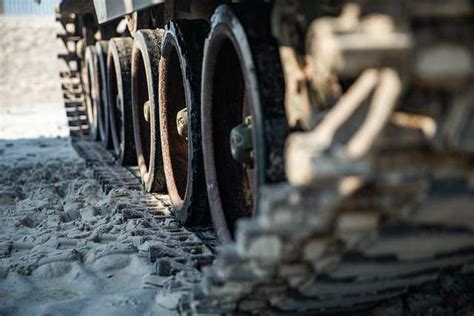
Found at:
<point>182,123</point>
<point>241,144</point>
<point>118,102</point>
<point>146,110</point>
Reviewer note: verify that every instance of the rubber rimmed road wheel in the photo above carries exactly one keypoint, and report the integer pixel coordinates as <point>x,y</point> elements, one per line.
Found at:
<point>242,90</point>
<point>101,48</point>
<point>146,116</point>
<point>90,83</point>
<point>180,87</point>
<point>120,100</point>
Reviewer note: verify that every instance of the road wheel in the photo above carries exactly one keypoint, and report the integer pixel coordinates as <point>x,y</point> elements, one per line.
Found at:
<point>180,116</point>
<point>101,48</point>
<point>90,85</point>
<point>244,124</point>
<point>146,117</point>
<point>120,100</point>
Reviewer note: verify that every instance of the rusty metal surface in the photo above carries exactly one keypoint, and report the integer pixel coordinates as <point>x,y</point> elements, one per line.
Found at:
<point>180,86</point>
<point>146,122</point>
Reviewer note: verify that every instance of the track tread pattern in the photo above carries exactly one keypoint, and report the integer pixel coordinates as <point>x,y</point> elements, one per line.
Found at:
<point>71,85</point>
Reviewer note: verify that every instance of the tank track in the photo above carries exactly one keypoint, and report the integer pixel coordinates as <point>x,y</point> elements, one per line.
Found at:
<point>71,82</point>
<point>331,264</point>
<point>348,233</point>
<point>293,258</point>
<point>191,249</point>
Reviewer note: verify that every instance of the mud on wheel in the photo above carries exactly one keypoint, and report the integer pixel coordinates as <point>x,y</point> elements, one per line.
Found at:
<point>180,111</point>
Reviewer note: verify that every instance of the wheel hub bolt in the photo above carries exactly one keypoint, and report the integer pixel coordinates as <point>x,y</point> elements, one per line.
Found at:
<point>146,110</point>
<point>241,145</point>
<point>118,102</point>
<point>182,123</point>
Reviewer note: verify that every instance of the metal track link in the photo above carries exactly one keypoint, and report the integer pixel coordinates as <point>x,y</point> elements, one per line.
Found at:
<point>373,209</point>
<point>173,248</point>
<point>300,258</point>
<point>71,84</point>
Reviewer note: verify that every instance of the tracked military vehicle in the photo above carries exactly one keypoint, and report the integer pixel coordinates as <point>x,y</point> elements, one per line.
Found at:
<point>327,145</point>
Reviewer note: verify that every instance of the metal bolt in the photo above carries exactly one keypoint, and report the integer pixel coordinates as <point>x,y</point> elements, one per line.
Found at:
<point>146,110</point>
<point>241,145</point>
<point>182,123</point>
<point>118,102</point>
